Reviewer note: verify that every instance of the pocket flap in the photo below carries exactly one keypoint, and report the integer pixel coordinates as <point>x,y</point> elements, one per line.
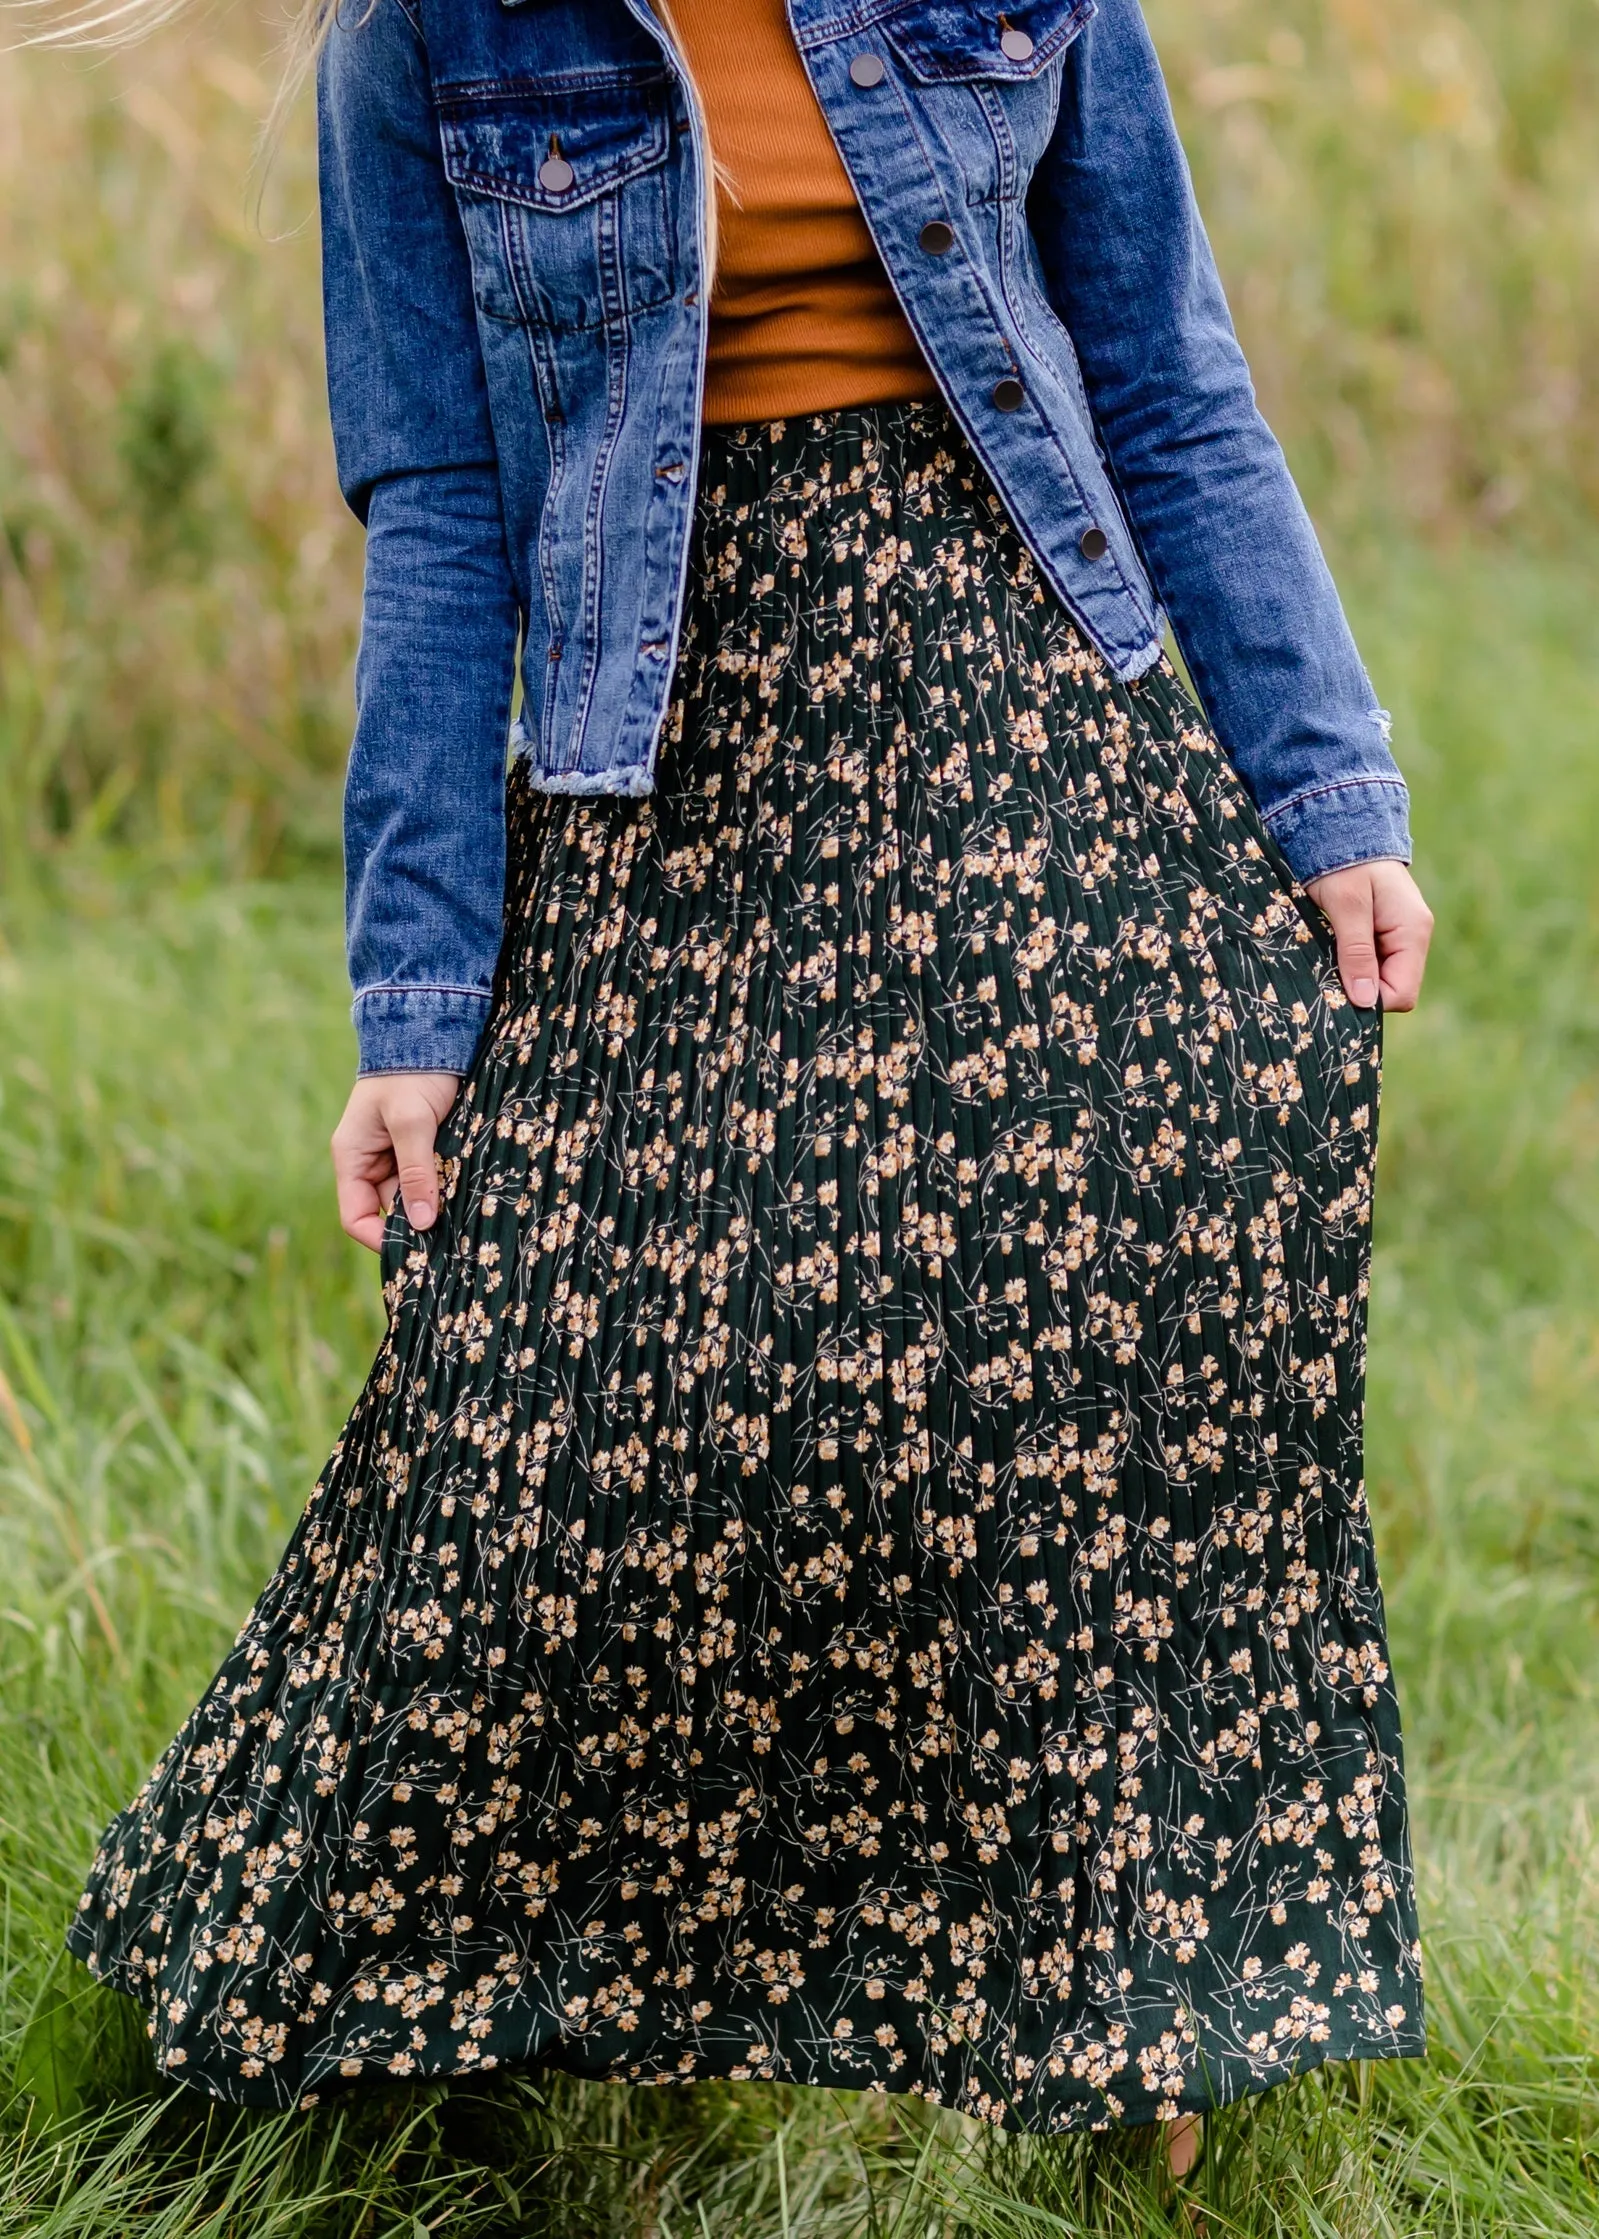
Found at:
<point>964,39</point>
<point>553,148</point>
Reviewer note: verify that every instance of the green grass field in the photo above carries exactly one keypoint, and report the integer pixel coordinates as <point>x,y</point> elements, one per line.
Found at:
<point>1403,196</point>
<point>181,1327</point>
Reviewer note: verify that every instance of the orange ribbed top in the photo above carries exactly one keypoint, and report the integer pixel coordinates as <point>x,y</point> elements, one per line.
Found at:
<point>802,314</point>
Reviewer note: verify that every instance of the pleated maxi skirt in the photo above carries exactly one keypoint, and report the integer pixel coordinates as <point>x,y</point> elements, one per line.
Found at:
<point>852,1562</point>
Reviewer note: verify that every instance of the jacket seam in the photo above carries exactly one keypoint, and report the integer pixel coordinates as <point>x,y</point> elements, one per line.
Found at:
<point>1002,316</point>
<point>1011,208</point>
<point>618,356</point>
<point>421,987</point>
<point>706,188</point>
<point>542,357</point>
<point>470,92</point>
<point>1336,785</point>
<point>866,15</point>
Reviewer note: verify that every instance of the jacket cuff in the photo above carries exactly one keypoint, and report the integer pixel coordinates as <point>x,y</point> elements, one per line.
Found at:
<point>418,1029</point>
<point>1335,826</point>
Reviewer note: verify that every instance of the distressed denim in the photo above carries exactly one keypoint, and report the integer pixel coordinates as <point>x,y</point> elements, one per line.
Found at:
<point>514,256</point>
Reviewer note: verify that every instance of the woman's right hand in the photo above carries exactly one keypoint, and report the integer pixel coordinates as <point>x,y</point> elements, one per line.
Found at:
<point>383,1147</point>
<point>1383,929</point>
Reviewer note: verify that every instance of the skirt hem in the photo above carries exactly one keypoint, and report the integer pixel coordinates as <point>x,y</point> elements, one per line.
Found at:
<point>1201,2096</point>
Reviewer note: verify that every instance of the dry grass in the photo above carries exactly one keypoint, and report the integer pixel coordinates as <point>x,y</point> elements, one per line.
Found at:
<point>1405,198</point>
<point>1406,201</point>
<point>178,581</point>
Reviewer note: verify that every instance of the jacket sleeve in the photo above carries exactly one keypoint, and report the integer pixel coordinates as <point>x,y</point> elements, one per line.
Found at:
<point>424,797</point>
<point>1208,493</point>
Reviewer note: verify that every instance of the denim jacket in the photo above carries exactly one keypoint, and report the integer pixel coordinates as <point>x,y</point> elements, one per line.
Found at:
<point>514,260</point>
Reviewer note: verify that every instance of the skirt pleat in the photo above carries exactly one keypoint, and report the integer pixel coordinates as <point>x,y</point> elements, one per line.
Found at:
<point>852,1563</point>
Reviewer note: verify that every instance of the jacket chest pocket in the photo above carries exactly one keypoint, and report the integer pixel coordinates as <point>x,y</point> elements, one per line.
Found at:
<point>989,78</point>
<point>563,191</point>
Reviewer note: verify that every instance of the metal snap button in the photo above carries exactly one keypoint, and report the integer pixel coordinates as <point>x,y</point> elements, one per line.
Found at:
<point>1015,46</point>
<point>1009,394</point>
<point>555,174</point>
<point>1093,544</point>
<point>936,237</point>
<point>866,71</point>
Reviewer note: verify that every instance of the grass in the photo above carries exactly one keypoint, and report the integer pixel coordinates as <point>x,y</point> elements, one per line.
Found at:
<point>181,1328</point>
<point>1403,196</point>
<point>1402,199</point>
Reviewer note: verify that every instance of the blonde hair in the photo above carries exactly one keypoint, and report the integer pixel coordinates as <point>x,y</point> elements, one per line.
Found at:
<point>118,23</point>
<point>718,181</point>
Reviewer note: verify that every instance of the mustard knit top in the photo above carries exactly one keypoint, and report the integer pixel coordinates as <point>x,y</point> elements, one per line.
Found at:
<point>803,317</point>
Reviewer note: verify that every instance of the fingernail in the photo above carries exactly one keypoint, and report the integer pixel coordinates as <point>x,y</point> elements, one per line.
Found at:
<point>1364,992</point>
<point>422,1217</point>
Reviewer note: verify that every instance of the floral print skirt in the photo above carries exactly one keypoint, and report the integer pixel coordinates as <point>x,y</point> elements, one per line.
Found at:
<point>852,1563</point>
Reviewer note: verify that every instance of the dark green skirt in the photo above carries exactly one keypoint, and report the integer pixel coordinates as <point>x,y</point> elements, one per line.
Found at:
<point>852,1562</point>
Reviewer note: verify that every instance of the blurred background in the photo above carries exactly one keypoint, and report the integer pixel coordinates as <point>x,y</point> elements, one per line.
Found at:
<point>1404,198</point>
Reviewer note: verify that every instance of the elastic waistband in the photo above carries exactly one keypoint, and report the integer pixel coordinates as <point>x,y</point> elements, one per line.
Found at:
<point>890,440</point>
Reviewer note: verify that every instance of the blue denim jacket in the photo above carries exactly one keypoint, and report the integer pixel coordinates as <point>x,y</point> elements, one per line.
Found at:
<point>514,256</point>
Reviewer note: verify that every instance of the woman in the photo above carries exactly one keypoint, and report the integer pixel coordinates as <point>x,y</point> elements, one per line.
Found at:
<point>852,1562</point>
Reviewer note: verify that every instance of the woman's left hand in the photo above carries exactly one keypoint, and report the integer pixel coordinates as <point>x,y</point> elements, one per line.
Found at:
<point>1383,928</point>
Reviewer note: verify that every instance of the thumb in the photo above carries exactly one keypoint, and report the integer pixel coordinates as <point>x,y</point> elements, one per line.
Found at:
<point>1350,911</point>
<point>411,1131</point>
